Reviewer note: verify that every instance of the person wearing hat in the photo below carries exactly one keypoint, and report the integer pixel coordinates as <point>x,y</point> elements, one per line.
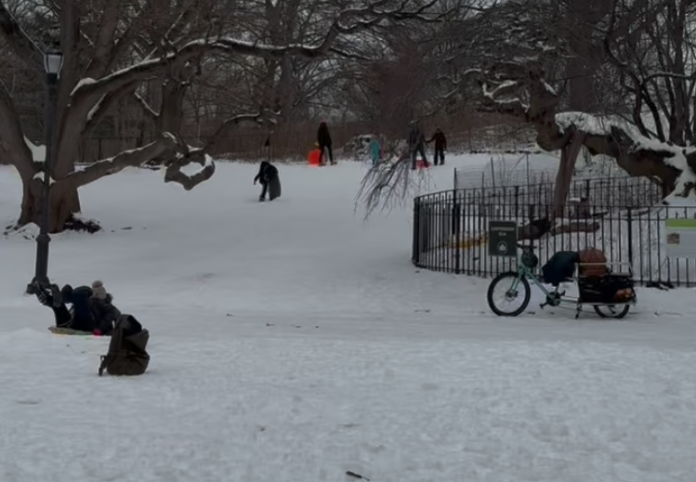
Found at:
<point>91,308</point>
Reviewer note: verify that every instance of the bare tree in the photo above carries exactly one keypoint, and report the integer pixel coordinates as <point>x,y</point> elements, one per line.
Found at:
<point>388,91</point>
<point>648,47</point>
<point>106,60</point>
<point>650,44</point>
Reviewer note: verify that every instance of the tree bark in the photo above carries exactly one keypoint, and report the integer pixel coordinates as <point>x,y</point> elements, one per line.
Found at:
<point>63,204</point>
<point>569,157</point>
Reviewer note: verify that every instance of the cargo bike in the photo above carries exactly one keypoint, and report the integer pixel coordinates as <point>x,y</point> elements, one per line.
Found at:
<point>611,294</point>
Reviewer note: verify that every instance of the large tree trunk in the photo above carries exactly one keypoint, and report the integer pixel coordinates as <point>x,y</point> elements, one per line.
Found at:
<point>564,176</point>
<point>64,202</point>
<point>582,16</point>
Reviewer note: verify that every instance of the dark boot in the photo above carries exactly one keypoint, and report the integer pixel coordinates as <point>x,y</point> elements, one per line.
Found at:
<point>57,296</point>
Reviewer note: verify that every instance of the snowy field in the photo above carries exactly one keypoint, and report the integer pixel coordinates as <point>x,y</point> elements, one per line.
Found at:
<point>291,341</point>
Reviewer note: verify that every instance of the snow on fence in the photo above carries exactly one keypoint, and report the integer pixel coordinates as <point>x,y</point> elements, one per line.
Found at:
<point>450,234</point>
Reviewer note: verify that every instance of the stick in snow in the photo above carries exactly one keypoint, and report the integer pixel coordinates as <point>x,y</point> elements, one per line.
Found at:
<point>357,476</point>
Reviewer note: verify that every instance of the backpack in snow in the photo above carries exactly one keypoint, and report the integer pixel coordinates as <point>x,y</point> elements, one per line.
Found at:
<point>127,353</point>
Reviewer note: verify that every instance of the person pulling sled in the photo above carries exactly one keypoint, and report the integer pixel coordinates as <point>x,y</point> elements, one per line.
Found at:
<point>270,181</point>
<point>416,146</point>
<point>324,141</point>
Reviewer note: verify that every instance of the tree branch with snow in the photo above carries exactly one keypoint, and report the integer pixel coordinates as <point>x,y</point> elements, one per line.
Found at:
<point>515,83</point>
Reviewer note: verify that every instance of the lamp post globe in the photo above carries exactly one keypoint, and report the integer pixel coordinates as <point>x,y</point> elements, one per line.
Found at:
<point>53,62</point>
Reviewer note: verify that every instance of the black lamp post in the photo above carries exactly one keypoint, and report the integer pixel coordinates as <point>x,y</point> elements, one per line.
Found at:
<point>53,61</point>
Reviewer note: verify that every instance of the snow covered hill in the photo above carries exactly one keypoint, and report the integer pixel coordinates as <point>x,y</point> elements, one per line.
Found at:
<point>292,341</point>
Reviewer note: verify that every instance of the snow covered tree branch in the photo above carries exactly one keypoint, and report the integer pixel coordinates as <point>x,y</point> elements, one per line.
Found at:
<point>515,83</point>
<point>167,144</point>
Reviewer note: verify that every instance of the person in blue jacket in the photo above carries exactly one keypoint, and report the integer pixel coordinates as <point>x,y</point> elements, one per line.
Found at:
<point>375,150</point>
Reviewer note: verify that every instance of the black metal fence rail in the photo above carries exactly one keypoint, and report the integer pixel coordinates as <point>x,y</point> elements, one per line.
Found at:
<point>610,191</point>
<point>450,233</point>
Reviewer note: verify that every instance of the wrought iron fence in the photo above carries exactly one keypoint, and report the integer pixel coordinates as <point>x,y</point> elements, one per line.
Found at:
<point>450,232</point>
<point>611,191</point>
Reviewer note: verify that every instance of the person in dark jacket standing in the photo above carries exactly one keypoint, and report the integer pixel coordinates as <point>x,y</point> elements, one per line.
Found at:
<point>92,309</point>
<point>324,140</point>
<point>416,145</point>
<point>269,179</point>
<point>440,146</point>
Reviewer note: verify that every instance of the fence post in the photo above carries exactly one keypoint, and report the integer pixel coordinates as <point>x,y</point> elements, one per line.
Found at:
<point>630,238</point>
<point>456,229</point>
<point>416,232</point>
<point>517,202</point>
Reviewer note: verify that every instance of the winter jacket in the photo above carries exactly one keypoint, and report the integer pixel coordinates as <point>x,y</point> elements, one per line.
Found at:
<point>375,151</point>
<point>440,140</point>
<point>127,353</point>
<point>323,136</point>
<point>89,313</point>
<point>267,172</point>
<point>560,267</point>
<point>104,313</point>
<point>416,139</point>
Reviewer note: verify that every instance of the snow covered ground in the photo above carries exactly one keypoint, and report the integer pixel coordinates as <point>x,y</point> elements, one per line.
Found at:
<point>291,341</point>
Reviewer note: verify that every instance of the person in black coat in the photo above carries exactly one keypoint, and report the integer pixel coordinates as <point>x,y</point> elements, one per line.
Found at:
<point>416,145</point>
<point>440,146</point>
<point>324,141</point>
<point>269,179</point>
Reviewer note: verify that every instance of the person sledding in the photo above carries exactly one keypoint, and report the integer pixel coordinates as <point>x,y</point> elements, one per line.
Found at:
<point>91,310</point>
<point>270,181</point>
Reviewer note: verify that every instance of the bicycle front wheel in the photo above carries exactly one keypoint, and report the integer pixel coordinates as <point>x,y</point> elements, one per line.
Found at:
<point>509,294</point>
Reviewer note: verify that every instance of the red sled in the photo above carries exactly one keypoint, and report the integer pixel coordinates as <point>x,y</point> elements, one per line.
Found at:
<point>314,158</point>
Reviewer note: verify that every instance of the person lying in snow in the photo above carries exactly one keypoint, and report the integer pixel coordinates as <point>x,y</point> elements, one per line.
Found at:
<point>268,176</point>
<point>92,309</point>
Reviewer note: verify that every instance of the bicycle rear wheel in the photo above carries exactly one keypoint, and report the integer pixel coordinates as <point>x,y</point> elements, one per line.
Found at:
<point>506,288</point>
<point>612,311</point>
